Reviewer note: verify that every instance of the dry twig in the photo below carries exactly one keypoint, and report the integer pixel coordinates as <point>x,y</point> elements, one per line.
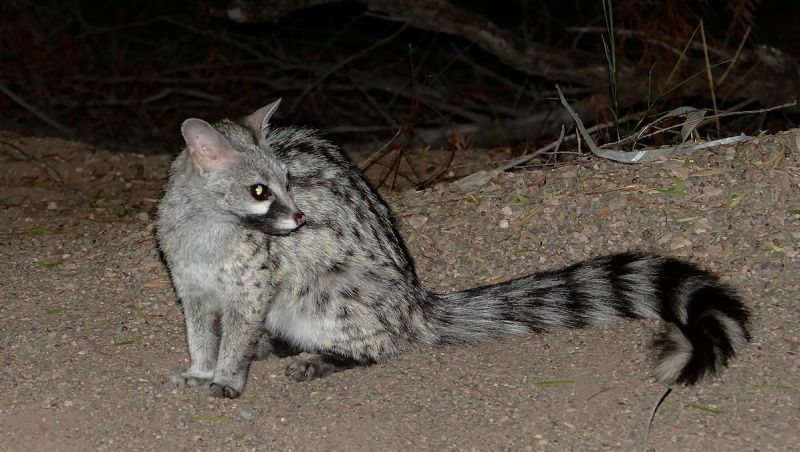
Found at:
<point>653,416</point>
<point>49,170</point>
<point>24,104</point>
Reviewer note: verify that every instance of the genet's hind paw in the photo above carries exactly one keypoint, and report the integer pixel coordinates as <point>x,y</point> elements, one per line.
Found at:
<point>221,391</point>
<point>181,380</point>
<point>303,370</point>
<point>309,367</point>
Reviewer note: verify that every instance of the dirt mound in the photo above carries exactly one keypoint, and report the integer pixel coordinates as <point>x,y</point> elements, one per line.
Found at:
<point>90,332</point>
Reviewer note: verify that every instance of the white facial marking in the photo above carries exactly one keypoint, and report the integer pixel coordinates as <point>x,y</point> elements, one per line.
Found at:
<point>285,223</point>
<point>260,208</point>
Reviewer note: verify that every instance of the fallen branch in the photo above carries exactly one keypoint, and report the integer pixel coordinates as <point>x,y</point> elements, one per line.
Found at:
<point>642,156</point>
<point>770,71</point>
<point>652,154</point>
<point>685,111</point>
<point>556,144</point>
<point>443,17</point>
<point>49,170</point>
<point>343,63</point>
<point>24,104</point>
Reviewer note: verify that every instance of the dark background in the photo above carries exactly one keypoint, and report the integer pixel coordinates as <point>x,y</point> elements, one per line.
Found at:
<point>125,74</point>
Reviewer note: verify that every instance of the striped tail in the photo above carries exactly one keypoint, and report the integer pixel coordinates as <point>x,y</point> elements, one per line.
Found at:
<point>706,321</point>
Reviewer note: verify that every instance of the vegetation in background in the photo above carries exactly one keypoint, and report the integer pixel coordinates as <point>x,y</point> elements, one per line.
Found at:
<point>364,72</point>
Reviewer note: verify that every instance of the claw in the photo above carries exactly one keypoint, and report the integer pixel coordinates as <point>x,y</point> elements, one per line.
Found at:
<point>180,381</point>
<point>301,371</point>
<point>231,393</point>
<point>221,391</point>
<point>177,381</point>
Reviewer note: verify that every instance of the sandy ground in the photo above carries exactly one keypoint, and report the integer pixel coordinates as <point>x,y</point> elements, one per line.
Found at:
<point>90,332</point>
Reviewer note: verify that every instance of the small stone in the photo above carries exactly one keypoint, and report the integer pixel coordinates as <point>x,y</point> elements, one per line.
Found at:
<point>538,179</point>
<point>417,222</point>
<point>143,216</point>
<point>473,181</point>
<point>68,403</point>
<point>712,192</point>
<point>506,211</point>
<point>681,172</point>
<point>52,205</point>
<point>246,414</point>
<point>503,224</point>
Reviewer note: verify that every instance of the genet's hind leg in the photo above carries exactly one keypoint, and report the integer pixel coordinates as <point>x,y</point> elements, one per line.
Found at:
<point>268,345</point>
<point>313,365</point>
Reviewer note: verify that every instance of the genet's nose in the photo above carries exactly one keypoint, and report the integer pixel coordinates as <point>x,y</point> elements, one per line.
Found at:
<point>299,218</point>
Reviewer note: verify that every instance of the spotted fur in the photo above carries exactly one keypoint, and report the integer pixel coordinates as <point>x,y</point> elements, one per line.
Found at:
<point>342,286</point>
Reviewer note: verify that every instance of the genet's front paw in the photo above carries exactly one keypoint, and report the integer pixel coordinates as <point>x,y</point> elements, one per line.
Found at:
<point>187,380</point>
<point>221,391</point>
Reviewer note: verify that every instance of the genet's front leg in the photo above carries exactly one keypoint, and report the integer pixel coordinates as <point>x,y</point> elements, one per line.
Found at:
<point>203,344</point>
<point>241,327</point>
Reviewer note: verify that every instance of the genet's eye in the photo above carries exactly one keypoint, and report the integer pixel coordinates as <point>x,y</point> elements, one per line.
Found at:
<point>260,192</point>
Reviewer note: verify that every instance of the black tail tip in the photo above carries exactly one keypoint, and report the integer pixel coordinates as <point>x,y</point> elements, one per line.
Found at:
<point>688,354</point>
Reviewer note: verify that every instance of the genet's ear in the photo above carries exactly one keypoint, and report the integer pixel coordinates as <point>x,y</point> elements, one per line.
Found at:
<point>209,150</point>
<point>258,122</point>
